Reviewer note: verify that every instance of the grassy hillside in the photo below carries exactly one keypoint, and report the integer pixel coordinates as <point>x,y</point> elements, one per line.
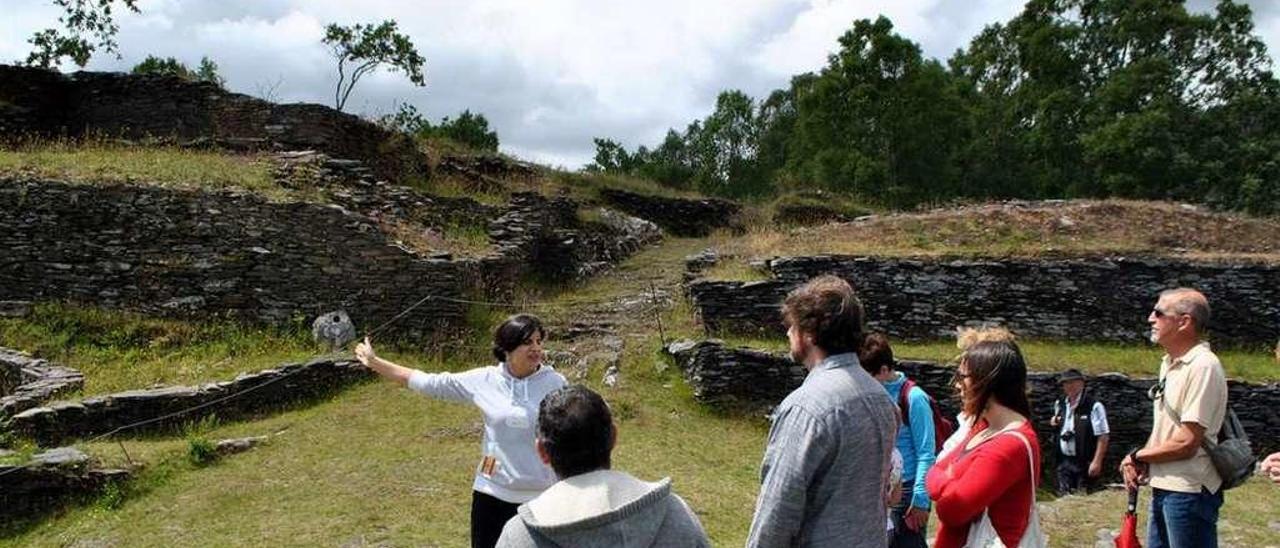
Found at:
<point>1038,229</point>
<point>377,465</point>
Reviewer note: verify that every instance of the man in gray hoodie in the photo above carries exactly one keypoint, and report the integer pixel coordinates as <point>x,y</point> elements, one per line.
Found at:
<point>593,505</point>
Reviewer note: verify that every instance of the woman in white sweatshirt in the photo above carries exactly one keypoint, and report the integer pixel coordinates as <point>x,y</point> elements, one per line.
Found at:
<point>510,472</point>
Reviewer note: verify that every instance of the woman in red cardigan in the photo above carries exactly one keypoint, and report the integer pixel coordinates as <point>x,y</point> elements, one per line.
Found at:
<point>990,471</point>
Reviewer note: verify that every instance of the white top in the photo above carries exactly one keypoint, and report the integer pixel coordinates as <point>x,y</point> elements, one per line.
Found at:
<point>509,467</point>
<point>1097,418</point>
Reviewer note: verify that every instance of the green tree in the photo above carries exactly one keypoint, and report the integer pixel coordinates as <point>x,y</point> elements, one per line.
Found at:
<point>879,121</point>
<point>363,48</point>
<point>168,66</point>
<point>611,157</point>
<point>86,27</point>
<point>471,130</point>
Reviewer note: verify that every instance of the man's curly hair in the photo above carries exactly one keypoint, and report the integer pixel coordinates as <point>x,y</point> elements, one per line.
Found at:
<point>827,308</point>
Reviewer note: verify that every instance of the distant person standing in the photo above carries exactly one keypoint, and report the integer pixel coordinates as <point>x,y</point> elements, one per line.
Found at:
<point>1082,434</point>
<point>1189,405</point>
<point>826,468</point>
<point>916,441</point>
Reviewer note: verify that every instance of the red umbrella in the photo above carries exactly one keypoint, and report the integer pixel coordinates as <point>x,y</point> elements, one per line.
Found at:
<point>1128,537</point>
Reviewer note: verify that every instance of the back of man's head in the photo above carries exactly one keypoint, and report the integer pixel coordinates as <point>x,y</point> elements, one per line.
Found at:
<point>827,308</point>
<point>575,429</point>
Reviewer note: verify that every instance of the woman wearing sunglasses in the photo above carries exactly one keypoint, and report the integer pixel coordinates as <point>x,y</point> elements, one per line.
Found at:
<point>985,487</point>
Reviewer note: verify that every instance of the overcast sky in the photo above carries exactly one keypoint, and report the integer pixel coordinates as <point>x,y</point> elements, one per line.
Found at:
<point>548,74</point>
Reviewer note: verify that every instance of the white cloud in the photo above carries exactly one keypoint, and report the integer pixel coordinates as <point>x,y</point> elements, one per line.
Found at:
<point>549,75</point>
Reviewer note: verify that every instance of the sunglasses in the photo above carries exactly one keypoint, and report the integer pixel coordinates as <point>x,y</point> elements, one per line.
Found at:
<point>1162,314</point>
<point>1156,391</point>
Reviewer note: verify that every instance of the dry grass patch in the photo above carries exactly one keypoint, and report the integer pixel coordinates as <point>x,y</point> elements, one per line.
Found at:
<point>161,166</point>
<point>1073,228</point>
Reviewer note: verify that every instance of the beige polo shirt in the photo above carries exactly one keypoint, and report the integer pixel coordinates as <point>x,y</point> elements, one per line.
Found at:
<point>1196,387</point>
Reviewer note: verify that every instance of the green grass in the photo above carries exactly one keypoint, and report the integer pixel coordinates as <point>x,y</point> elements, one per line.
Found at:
<point>587,185</point>
<point>377,464</point>
<point>1137,360</point>
<point>122,351</point>
<point>163,166</point>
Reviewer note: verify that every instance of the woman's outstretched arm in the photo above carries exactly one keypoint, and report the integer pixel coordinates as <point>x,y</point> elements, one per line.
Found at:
<point>384,368</point>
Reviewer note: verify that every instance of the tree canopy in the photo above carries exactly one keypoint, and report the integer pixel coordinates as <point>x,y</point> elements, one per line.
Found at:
<point>86,27</point>
<point>206,71</point>
<point>363,48</point>
<point>1070,98</point>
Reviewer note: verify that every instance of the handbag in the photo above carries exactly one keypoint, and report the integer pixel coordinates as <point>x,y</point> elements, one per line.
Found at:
<point>982,534</point>
<point>1231,455</point>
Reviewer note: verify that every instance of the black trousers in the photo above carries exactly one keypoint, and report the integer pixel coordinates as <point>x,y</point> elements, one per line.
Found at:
<point>488,516</point>
<point>1070,477</point>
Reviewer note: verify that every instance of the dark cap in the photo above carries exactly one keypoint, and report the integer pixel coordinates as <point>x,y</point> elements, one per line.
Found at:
<point>1072,374</point>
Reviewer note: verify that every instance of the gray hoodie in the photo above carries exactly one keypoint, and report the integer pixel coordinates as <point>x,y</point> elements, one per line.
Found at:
<point>604,508</point>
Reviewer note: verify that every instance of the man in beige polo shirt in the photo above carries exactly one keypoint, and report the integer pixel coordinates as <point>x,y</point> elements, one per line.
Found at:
<point>1186,488</point>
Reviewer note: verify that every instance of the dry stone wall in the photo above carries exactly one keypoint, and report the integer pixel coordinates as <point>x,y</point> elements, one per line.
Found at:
<point>48,480</point>
<point>1104,298</point>
<point>117,105</point>
<point>680,217</point>
<point>740,377</point>
<point>28,382</point>
<point>201,255</point>
<point>261,391</point>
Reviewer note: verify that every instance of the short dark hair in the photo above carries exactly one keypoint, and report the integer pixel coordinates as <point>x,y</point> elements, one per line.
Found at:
<point>876,353</point>
<point>576,430</point>
<point>827,308</point>
<point>514,332</point>
<point>997,371</point>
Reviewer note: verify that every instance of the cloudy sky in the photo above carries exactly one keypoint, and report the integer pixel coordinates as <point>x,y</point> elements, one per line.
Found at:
<point>549,74</point>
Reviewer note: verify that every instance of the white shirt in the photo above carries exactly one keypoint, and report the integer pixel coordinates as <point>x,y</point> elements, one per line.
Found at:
<point>1097,418</point>
<point>509,468</point>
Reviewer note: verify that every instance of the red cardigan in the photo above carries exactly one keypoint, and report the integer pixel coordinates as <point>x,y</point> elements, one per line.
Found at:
<point>991,476</point>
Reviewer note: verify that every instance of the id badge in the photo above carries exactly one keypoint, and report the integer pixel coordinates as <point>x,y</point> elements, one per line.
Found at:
<point>488,466</point>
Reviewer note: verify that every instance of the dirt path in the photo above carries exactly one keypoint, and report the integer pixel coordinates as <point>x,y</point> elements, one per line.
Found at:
<point>619,308</point>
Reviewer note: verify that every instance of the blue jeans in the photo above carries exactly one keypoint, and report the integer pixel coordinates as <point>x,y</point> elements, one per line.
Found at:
<point>1184,520</point>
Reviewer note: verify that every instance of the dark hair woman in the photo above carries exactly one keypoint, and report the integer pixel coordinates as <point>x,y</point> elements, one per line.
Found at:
<point>510,472</point>
<point>985,488</point>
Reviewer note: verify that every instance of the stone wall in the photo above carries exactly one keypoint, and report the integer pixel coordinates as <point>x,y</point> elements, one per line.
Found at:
<point>200,255</point>
<point>270,390</point>
<point>30,382</point>
<point>547,235</point>
<point>48,480</point>
<point>680,217</point>
<point>740,377</point>
<point>117,105</point>
<point>1104,298</point>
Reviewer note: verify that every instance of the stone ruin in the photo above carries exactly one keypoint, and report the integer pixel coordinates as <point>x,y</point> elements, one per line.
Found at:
<point>1088,298</point>
<point>50,477</point>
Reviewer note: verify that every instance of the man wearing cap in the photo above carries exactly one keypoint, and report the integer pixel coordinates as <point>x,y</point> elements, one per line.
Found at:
<point>1082,434</point>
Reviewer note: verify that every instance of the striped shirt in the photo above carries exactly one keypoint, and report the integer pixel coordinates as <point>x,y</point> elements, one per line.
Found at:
<point>828,460</point>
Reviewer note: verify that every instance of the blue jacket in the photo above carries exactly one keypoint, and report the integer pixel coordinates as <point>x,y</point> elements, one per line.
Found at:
<point>915,439</point>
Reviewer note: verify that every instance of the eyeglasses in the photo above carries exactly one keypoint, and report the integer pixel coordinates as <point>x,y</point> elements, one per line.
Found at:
<point>958,376</point>
<point>1161,313</point>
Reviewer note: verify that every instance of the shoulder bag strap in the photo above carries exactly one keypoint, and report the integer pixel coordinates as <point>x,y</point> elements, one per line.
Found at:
<point>1177,420</point>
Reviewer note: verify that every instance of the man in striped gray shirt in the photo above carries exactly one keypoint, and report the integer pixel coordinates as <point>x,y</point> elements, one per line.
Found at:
<point>826,468</point>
